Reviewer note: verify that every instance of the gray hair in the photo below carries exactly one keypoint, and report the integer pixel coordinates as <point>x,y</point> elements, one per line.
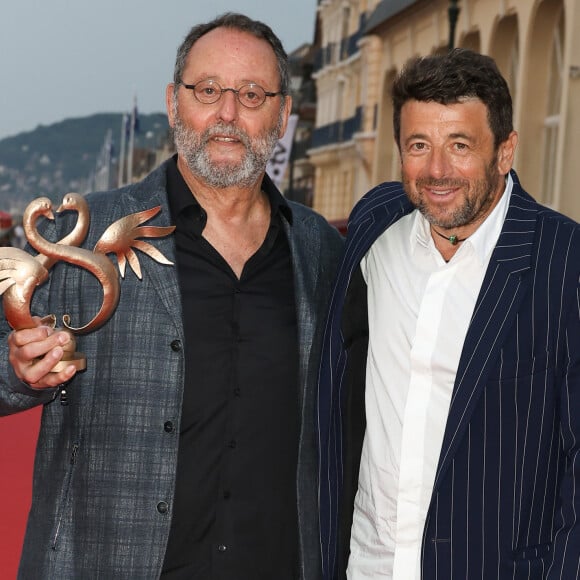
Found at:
<point>242,23</point>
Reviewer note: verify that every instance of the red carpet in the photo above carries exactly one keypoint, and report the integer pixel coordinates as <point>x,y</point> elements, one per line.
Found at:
<point>18,434</point>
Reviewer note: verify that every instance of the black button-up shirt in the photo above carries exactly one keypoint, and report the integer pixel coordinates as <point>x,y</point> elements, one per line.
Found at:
<point>234,512</point>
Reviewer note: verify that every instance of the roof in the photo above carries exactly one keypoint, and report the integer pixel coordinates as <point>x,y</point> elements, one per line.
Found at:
<point>386,9</point>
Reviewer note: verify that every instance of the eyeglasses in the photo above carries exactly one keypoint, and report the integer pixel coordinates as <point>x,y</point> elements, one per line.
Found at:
<point>250,95</point>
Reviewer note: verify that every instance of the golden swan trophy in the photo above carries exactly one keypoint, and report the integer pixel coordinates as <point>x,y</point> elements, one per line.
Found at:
<point>21,273</point>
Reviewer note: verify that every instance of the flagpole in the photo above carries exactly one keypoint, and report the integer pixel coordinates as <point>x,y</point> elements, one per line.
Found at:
<point>121,170</point>
<point>107,161</point>
<point>131,141</point>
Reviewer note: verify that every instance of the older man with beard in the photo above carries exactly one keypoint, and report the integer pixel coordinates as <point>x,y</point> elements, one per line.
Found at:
<point>187,449</point>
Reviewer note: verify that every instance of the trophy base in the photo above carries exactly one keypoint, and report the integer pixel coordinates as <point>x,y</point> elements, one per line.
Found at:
<point>78,359</point>
<point>70,355</point>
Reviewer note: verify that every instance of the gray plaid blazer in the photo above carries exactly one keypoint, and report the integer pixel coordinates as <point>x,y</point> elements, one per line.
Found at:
<point>105,466</point>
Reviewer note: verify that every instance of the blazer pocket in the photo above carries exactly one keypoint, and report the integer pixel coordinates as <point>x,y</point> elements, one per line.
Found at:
<point>532,562</point>
<point>533,552</point>
<point>64,509</point>
<point>513,369</point>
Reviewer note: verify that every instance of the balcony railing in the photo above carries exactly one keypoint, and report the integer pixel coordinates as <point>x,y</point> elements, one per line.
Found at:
<point>334,52</point>
<point>337,132</point>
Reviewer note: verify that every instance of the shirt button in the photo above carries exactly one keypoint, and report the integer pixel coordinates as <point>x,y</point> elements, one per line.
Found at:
<point>175,345</point>
<point>222,548</point>
<point>227,495</point>
<point>162,507</point>
<point>237,391</point>
<point>168,426</point>
<point>232,444</point>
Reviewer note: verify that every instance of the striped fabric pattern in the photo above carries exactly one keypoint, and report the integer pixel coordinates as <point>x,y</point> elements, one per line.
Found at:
<point>506,498</point>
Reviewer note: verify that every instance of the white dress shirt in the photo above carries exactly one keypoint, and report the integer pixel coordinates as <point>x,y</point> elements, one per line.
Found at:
<point>419,309</point>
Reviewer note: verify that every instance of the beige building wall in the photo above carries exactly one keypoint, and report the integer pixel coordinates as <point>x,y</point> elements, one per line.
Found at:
<point>536,44</point>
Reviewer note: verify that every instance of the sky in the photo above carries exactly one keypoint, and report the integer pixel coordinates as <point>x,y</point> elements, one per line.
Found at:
<point>73,58</point>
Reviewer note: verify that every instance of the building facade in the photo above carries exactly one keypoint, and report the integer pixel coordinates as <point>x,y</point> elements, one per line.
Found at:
<point>364,43</point>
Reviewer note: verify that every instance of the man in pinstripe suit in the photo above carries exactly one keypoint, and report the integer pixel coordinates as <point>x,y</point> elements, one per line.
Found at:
<point>449,396</point>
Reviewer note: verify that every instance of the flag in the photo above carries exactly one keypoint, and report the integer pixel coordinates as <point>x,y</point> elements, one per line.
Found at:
<point>133,128</point>
<point>135,118</point>
<point>132,121</point>
<point>278,162</point>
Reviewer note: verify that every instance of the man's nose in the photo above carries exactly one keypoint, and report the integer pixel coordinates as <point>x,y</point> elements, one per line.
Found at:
<point>228,105</point>
<point>439,163</point>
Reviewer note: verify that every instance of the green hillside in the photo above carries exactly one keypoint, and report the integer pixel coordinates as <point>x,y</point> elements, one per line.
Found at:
<point>56,158</point>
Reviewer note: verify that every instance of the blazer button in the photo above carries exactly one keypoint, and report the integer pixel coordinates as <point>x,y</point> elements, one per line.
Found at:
<point>168,426</point>
<point>176,345</point>
<point>162,507</point>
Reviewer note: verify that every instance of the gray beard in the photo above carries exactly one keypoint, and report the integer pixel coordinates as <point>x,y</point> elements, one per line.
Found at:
<point>191,146</point>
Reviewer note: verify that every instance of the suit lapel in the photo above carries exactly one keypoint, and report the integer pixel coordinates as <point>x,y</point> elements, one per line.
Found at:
<point>305,252</point>
<point>375,212</point>
<point>163,277</point>
<point>506,282</point>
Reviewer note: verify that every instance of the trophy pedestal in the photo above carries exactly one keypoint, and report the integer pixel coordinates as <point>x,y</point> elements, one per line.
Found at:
<point>70,356</point>
<point>78,359</point>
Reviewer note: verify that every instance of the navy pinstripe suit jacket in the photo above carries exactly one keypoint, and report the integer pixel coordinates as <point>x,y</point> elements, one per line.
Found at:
<point>506,497</point>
